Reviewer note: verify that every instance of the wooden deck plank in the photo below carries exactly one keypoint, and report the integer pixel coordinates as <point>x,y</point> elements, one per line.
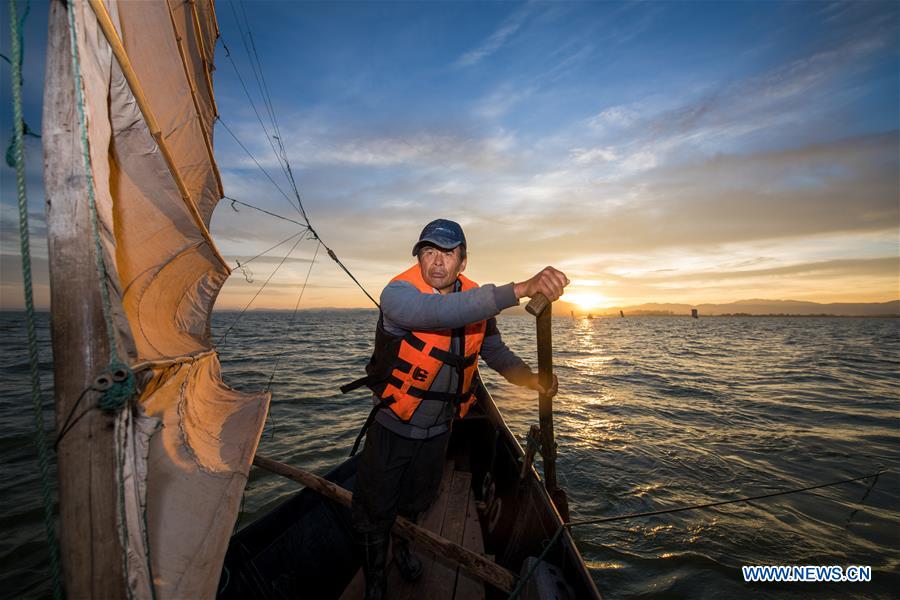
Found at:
<point>431,519</point>
<point>440,579</point>
<point>356,589</point>
<point>468,587</point>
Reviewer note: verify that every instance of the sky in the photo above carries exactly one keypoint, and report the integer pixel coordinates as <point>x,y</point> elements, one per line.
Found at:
<point>684,152</point>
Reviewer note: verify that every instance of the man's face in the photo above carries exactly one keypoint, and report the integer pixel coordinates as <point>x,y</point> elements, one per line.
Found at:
<point>440,267</point>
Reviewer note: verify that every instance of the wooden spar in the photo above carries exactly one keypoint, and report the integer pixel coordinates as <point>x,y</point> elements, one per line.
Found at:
<point>92,556</point>
<point>477,565</point>
<point>193,87</point>
<point>169,362</point>
<point>115,43</point>
<point>198,31</point>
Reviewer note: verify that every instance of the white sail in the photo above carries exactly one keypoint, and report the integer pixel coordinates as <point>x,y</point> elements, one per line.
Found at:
<point>185,448</point>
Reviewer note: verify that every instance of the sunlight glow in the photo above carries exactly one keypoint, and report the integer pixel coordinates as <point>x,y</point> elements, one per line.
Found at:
<point>586,300</point>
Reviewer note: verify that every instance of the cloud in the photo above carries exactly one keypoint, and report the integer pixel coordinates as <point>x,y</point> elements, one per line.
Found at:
<point>590,155</point>
<point>503,99</point>
<point>496,40</point>
<point>613,117</point>
<point>886,266</point>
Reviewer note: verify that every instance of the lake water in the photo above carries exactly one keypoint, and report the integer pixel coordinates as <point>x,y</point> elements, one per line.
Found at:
<point>652,413</point>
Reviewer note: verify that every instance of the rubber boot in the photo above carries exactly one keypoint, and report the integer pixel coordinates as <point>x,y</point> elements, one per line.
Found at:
<point>409,565</point>
<point>374,548</point>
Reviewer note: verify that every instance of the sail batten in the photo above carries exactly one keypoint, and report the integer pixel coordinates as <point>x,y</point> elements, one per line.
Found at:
<point>207,139</point>
<point>156,133</point>
<point>204,54</point>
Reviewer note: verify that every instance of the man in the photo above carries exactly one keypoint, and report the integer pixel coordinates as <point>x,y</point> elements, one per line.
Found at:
<point>434,324</point>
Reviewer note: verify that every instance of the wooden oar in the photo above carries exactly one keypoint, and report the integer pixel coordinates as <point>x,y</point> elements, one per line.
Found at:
<point>477,565</point>
<point>541,308</point>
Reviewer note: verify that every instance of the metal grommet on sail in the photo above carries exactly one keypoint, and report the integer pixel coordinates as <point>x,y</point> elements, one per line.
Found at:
<point>102,382</point>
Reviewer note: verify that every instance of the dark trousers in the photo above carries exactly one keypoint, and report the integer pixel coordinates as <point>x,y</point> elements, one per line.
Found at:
<point>395,475</point>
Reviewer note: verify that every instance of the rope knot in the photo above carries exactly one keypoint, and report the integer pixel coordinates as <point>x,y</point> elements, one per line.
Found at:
<point>116,385</point>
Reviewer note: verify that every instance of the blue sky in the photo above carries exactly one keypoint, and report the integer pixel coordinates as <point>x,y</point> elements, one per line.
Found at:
<point>656,151</point>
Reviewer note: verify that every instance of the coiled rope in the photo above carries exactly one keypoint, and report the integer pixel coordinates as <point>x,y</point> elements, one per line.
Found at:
<point>40,437</point>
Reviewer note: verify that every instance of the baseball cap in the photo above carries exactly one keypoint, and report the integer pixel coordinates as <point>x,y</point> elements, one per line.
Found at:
<point>443,234</point>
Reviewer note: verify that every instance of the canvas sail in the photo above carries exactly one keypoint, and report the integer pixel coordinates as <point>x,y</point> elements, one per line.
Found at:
<point>184,448</point>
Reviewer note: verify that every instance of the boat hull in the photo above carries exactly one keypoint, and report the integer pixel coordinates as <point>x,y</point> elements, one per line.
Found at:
<point>304,547</point>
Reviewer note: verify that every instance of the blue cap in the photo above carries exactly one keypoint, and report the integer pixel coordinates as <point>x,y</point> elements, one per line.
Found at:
<point>443,234</point>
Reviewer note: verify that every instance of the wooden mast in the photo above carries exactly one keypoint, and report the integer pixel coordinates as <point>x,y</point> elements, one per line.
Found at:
<point>92,556</point>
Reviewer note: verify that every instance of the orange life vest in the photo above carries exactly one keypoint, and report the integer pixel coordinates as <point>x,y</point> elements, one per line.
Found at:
<point>402,369</point>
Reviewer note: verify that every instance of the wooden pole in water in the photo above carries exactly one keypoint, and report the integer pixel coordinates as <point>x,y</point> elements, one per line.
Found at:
<point>92,557</point>
<point>476,564</point>
<point>541,308</point>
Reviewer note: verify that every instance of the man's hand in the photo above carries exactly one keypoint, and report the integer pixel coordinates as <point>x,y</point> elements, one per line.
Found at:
<point>532,382</point>
<point>549,282</point>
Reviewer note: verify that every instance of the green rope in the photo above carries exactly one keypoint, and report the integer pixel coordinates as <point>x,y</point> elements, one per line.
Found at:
<point>17,52</point>
<point>122,380</point>
<point>40,440</point>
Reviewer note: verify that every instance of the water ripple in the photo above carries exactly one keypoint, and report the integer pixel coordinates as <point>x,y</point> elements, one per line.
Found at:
<point>652,413</point>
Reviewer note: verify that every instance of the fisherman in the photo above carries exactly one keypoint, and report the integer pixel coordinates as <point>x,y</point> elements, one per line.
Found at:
<point>434,323</point>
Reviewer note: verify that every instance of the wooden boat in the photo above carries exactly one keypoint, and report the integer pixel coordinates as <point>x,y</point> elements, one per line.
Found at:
<point>150,486</point>
<point>304,547</point>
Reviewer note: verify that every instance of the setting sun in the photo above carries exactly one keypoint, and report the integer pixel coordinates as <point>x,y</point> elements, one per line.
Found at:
<point>586,300</point>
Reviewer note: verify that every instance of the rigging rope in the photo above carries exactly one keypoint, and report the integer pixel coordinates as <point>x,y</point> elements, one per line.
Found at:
<point>294,314</point>
<point>253,158</point>
<point>523,580</point>
<point>272,274</point>
<point>247,91</point>
<point>347,271</point>
<point>40,439</point>
<point>723,502</point>
<point>263,87</point>
<point>282,156</point>
<point>243,266</point>
<point>262,210</point>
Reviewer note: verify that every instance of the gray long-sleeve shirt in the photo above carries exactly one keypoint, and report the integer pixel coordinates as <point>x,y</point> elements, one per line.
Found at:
<point>406,309</point>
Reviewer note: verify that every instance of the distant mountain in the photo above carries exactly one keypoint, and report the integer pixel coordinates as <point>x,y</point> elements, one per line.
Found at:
<point>741,307</point>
